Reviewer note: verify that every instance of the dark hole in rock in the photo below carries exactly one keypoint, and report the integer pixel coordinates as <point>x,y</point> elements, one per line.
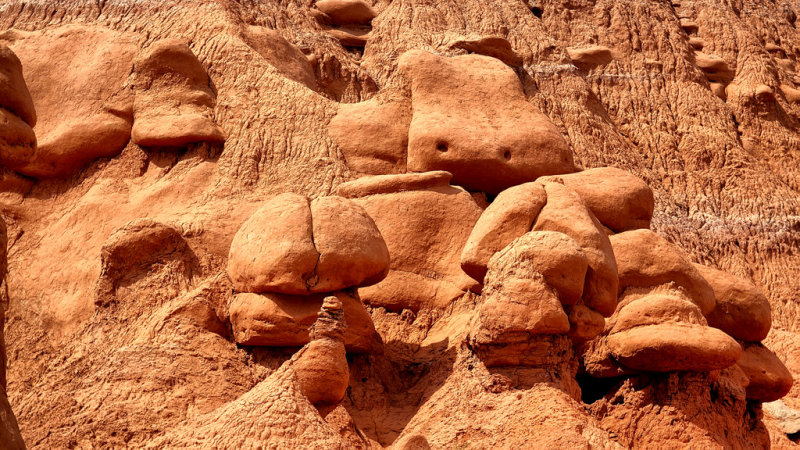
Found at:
<point>593,389</point>
<point>537,11</point>
<point>441,146</point>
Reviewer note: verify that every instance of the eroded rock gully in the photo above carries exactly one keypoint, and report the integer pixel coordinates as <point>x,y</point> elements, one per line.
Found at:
<point>399,223</point>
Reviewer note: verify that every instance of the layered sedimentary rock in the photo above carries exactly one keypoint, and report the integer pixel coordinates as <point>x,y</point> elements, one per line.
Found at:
<point>138,263</point>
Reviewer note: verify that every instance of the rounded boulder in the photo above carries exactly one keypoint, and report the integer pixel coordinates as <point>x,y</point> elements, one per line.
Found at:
<point>769,377</point>
<point>741,310</point>
<point>671,347</point>
<point>646,259</point>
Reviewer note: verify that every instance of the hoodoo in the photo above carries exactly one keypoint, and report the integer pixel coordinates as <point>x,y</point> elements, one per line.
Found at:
<point>399,224</point>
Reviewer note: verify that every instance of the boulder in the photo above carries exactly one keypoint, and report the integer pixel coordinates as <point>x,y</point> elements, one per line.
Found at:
<point>373,135</point>
<point>425,223</point>
<point>471,118</point>
<point>566,212</point>
<point>516,308</point>
<point>280,320</point>
<point>670,347</point>
<point>769,377</point>
<point>646,259</point>
<point>590,56</point>
<point>351,250</point>
<point>741,308</point>
<point>619,199</point>
<point>76,76</point>
<point>509,216</point>
<point>346,12</point>
<point>517,299</point>
<point>173,103</point>
<point>274,251</point>
<point>291,247</point>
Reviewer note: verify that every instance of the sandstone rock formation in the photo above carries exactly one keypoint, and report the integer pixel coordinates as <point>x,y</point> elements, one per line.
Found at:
<point>278,320</point>
<point>290,249</point>
<point>290,246</point>
<point>16,112</point>
<point>10,437</point>
<point>173,102</point>
<point>646,259</point>
<point>76,75</point>
<point>518,191</point>
<point>425,222</point>
<point>508,141</point>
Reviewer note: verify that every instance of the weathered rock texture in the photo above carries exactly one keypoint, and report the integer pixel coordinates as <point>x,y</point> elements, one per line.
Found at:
<point>159,134</point>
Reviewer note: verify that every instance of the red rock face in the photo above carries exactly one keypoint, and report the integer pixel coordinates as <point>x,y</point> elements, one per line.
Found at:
<point>399,224</point>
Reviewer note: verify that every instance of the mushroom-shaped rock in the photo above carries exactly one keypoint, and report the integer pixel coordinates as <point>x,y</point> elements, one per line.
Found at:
<point>662,333</point>
<point>619,199</point>
<point>173,101</point>
<point>346,12</point>
<point>517,297</point>
<point>17,115</point>
<point>373,135</point>
<point>292,247</point>
<point>425,222</point>
<point>741,308</point>
<point>655,309</point>
<point>518,302</point>
<point>76,77</point>
<point>280,320</point>
<point>510,215</point>
<point>566,212</point>
<point>769,378</point>
<point>494,46</point>
<point>646,259</point>
<point>472,119</point>
<point>590,56</point>
<point>321,369</point>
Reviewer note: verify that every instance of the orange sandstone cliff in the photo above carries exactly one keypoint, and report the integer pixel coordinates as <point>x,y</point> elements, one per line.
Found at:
<point>402,224</point>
